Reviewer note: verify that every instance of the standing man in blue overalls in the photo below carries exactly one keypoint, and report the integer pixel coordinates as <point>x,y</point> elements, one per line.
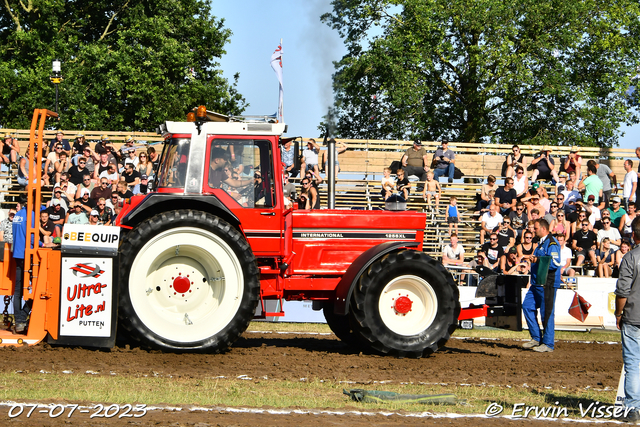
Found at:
<point>542,296</point>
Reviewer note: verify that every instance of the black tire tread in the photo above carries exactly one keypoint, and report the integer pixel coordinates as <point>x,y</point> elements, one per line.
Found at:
<point>376,335</point>
<point>135,240</point>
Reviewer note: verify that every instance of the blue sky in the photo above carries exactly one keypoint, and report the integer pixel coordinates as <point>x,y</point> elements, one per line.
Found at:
<point>309,47</point>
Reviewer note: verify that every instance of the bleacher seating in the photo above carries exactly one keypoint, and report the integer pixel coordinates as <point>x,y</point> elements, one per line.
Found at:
<point>365,160</point>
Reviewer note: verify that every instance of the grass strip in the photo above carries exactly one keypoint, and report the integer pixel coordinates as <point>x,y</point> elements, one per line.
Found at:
<point>261,393</point>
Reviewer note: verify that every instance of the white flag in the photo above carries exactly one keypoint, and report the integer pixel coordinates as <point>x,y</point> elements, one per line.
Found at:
<point>276,64</point>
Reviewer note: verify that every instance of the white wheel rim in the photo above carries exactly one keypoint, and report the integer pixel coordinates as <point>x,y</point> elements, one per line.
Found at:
<point>424,305</point>
<point>213,297</point>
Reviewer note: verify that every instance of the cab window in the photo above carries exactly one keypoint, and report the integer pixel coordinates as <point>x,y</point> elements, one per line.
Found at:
<point>173,169</point>
<point>244,170</point>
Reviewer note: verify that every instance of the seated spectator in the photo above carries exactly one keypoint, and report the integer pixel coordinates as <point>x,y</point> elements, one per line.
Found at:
<point>132,157</point>
<point>309,198</point>
<point>520,183</point>
<point>102,190</point>
<point>111,175</point>
<point>584,244</point>
<point>453,253</point>
<point>154,158</point>
<point>559,225</point>
<point>509,263</point>
<point>23,170</point>
<point>551,215</point>
<point>616,211</point>
<point>85,201</point>
<point>10,149</point>
<point>514,161</point>
<point>310,157</point>
<point>561,185</point>
<point>489,222</point>
<point>494,252</point>
<point>61,166</point>
<point>575,225</point>
<point>415,161</point>
<point>86,183</point>
<point>59,139</point>
<point>402,184</point>
<point>80,143</point>
<point>47,228</point>
<point>625,247</point>
<point>527,247</point>
<point>127,147</point>
<point>445,160</point>
<point>532,201</point>
<point>57,215</point>
<point>105,213</point>
<point>626,220</point>
<point>315,178</point>
<point>388,184</point>
<point>289,190</point>
<point>123,190</point>
<point>103,165</point>
<point>479,261</point>
<point>544,167</point>
<point>76,173</point>
<point>506,236</point>
<point>506,197</point>
<point>93,218</point>
<point>49,164</point>
<point>132,178</point>
<point>608,232</point>
<point>92,159</point>
<point>593,213</point>
<point>566,256</point>
<point>431,189</point>
<point>605,256</point>
<point>145,167</point>
<point>519,220</point>
<point>6,227</point>
<point>573,162</point>
<point>113,202</point>
<point>571,196</point>
<point>484,200</point>
<point>77,215</point>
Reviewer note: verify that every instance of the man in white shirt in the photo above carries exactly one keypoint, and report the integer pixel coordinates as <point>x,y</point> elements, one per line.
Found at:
<point>630,184</point>
<point>453,253</point>
<point>490,220</point>
<point>612,233</point>
<point>566,255</point>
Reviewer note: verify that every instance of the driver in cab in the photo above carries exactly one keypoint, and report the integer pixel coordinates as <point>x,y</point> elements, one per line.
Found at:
<point>217,174</point>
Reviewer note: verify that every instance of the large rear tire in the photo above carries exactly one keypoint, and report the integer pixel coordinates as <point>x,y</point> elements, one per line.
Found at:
<point>405,304</point>
<point>188,282</point>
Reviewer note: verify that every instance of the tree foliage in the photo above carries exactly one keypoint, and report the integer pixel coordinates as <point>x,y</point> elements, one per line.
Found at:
<point>127,64</point>
<point>509,71</point>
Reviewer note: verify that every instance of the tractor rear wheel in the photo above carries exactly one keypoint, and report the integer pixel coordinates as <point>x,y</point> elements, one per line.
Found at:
<point>405,304</point>
<point>188,282</point>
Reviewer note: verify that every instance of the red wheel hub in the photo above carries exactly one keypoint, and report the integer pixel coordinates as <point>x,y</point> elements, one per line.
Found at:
<point>181,284</point>
<point>403,305</point>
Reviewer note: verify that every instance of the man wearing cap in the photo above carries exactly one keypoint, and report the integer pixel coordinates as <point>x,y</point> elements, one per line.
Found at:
<point>608,179</point>
<point>77,215</point>
<point>58,139</point>
<point>415,161</point>
<point>573,162</point>
<point>630,184</point>
<point>85,201</point>
<point>616,211</point>
<point>593,212</point>
<point>542,294</point>
<point>128,145</point>
<point>57,215</point>
<point>545,166</point>
<point>80,143</point>
<point>445,160</point>
<point>93,217</point>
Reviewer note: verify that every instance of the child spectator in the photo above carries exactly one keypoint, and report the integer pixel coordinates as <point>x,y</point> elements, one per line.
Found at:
<point>388,184</point>
<point>625,247</point>
<point>402,184</point>
<point>452,214</point>
<point>519,220</point>
<point>431,189</point>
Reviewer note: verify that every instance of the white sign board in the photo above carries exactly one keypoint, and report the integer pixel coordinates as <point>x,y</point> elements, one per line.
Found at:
<point>91,238</point>
<point>85,300</point>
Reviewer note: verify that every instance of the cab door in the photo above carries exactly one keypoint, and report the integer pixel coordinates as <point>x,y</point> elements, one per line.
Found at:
<point>241,174</point>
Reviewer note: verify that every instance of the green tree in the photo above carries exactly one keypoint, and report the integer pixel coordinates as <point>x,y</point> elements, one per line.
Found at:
<point>127,64</point>
<point>525,71</point>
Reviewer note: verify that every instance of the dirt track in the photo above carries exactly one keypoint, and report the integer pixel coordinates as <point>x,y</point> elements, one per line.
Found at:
<point>571,366</point>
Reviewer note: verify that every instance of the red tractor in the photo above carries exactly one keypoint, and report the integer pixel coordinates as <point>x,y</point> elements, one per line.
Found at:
<point>188,266</point>
<point>214,240</point>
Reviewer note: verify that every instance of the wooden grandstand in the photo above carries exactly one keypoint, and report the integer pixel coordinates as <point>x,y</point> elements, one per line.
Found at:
<point>358,186</point>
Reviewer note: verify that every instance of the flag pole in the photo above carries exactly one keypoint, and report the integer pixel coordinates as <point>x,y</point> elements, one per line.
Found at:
<point>281,89</point>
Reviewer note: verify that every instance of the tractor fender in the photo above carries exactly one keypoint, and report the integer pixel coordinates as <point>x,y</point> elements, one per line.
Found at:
<point>155,203</point>
<point>358,267</point>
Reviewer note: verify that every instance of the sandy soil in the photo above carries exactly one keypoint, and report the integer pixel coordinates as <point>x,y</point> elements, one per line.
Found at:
<point>463,361</point>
